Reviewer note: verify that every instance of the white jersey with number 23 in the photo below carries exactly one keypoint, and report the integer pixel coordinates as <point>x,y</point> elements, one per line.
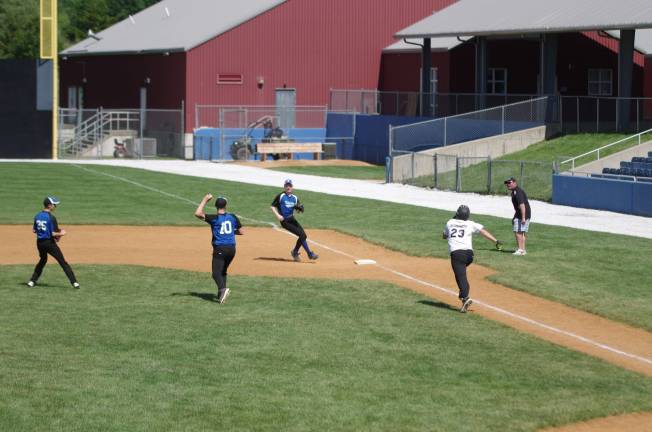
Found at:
<point>460,234</point>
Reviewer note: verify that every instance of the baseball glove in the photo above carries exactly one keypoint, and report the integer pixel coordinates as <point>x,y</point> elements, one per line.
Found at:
<point>299,208</point>
<point>499,245</point>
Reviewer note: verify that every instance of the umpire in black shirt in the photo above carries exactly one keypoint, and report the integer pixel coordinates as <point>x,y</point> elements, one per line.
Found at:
<point>522,214</point>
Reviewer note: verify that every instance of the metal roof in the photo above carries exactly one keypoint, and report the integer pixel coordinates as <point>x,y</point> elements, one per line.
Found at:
<point>642,40</point>
<point>172,25</point>
<point>507,17</point>
<point>437,45</point>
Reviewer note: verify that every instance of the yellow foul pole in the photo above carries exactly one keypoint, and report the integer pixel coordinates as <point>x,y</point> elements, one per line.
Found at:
<point>49,51</point>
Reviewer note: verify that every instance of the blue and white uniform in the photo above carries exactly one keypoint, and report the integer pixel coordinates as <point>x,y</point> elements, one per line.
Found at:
<point>45,224</point>
<point>223,228</point>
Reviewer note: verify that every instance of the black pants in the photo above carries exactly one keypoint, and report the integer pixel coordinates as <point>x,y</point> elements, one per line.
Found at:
<point>50,247</point>
<point>292,225</point>
<point>222,257</point>
<point>460,260</point>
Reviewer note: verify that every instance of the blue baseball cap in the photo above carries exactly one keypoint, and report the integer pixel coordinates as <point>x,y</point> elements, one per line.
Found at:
<point>51,200</point>
<point>287,182</point>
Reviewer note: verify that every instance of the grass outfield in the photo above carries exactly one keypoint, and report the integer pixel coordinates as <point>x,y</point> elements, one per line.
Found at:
<point>143,349</point>
<point>601,273</point>
<point>373,172</point>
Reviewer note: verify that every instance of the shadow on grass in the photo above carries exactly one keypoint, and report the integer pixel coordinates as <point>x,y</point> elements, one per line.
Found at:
<point>204,296</point>
<point>303,261</point>
<point>439,305</point>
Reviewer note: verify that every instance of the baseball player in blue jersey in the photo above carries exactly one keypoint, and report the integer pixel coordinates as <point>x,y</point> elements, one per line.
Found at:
<point>224,227</point>
<point>48,234</point>
<point>283,208</point>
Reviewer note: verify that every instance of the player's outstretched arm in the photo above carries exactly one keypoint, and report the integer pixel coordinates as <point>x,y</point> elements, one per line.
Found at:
<point>199,213</point>
<point>486,234</point>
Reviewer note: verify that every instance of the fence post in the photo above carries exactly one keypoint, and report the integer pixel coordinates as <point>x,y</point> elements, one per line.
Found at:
<point>445,130</point>
<point>597,117</point>
<point>182,132</point>
<point>142,133</point>
<point>502,129</point>
<point>522,172</point>
<point>391,140</point>
<point>434,157</point>
<point>412,166</point>
<point>489,173</point>
<point>396,112</point>
<point>638,127</point>
<point>458,174</point>
<point>346,99</point>
<point>196,117</point>
<point>561,114</point>
<point>578,114</point>
<point>388,169</point>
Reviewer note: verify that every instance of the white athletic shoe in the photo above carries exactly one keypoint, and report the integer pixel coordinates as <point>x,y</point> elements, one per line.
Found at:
<point>224,296</point>
<point>76,285</point>
<point>31,284</point>
<point>519,252</point>
<point>465,304</point>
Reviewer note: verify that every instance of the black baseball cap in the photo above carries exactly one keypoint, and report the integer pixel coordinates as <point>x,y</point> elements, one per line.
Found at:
<point>509,180</point>
<point>220,203</point>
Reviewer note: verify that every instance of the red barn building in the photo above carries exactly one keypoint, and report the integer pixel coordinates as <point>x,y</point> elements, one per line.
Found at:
<point>221,52</point>
<point>251,52</point>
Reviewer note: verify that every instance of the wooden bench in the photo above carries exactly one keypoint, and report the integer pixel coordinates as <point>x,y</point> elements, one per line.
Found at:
<point>289,149</point>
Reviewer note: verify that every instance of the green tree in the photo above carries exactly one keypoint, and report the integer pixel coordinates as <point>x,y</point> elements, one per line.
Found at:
<point>19,29</point>
<point>19,22</point>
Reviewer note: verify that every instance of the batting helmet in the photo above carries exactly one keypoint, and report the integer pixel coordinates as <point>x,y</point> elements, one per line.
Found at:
<point>462,213</point>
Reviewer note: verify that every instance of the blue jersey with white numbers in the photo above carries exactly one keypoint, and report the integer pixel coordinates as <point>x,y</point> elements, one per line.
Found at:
<point>44,225</point>
<point>285,204</point>
<point>223,227</point>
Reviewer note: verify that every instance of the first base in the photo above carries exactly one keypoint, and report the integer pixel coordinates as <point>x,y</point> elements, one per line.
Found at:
<point>365,261</point>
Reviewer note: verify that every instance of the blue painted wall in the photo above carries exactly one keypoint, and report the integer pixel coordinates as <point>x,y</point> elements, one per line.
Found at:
<point>370,141</point>
<point>207,141</point>
<point>603,194</point>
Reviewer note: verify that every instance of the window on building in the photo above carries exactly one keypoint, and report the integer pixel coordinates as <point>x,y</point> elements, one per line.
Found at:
<point>497,81</point>
<point>600,82</point>
<point>229,78</point>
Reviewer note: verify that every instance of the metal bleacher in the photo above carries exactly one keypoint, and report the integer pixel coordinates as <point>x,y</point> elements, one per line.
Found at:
<point>639,167</point>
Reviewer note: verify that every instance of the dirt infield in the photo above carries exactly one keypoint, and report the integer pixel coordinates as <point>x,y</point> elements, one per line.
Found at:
<point>265,252</point>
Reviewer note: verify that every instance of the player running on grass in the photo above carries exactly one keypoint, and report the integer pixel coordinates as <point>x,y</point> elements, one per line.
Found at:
<point>283,208</point>
<point>48,234</point>
<point>459,233</point>
<point>224,227</point>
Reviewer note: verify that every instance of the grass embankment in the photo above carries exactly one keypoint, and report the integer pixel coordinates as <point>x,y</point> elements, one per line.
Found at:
<point>535,174</point>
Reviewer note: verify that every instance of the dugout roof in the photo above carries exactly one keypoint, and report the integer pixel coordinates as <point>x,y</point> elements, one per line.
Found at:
<point>171,26</point>
<point>509,17</point>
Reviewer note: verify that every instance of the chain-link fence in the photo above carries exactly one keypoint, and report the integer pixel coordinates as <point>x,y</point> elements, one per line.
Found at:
<point>479,174</point>
<point>470,126</point>
<point>121,133</point>
<point>589,114</point>
<point>409,103</point>
<point>232,132</point>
